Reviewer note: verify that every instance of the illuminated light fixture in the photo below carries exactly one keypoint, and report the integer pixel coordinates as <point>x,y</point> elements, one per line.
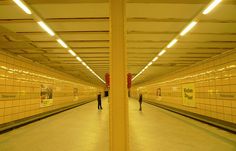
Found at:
<point>162,52</point>
<point>188,28</point>
<point>22,6</point>
<point>72,53</point>
<point>79,59</point>
<point>172,43</point>
<point>62,43</point>
<point>146,67</point>
<point>84,63</point>
<point>150,63</point>
<point>46,28</point>
<point>211,7</point>
<point>155,59</point>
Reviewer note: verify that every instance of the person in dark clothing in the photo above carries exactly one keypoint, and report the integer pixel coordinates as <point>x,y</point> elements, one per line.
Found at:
<point>140,102</point>
<point>99,101</point>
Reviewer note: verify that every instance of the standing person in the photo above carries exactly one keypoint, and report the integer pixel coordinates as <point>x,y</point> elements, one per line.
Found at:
<point>99,101</point>
<point>140,102</point>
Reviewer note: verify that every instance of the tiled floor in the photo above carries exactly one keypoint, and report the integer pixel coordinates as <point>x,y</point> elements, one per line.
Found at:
<point>155,129</point>
<point>80,129</point>
<point>86,129</point>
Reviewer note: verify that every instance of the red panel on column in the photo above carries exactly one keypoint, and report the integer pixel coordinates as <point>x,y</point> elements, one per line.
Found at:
<point>107,78</point>
<point>129,79</point>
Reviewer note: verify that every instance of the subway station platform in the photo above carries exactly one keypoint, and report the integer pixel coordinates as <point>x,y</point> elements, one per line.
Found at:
<point>57,57</point>
<point>87,129</point>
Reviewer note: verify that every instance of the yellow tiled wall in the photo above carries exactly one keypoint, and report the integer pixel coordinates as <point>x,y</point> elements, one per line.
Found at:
<point>20,88</point>
<point>215,88</point>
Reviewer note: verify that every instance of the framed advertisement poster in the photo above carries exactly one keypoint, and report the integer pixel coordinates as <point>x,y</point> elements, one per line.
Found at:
<point>158,92</point>
<point>46,95</point>
<point>76,94</point>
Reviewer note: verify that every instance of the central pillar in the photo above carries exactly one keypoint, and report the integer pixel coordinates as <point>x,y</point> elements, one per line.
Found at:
<point>118,119</point>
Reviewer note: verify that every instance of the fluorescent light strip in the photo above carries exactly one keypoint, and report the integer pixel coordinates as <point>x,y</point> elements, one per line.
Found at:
<point>46,28</point>
<point>155,59</point>
<point>185,31</point>
<point>84,63</point>
<point>150,63</point>
<point>146,67</point>
<point>93,72</point>
<point>72,52</point>
<point>136,76</point>
<point>211,7</point>
<point>188,28</point>
<point>50,32</point>
<point>62,43</point>
<point>79,59</point>
<point>162,52</point>
<point>172,43</point>
<point>23,7</point>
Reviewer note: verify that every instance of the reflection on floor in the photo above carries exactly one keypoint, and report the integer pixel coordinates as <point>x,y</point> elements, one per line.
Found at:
<point>155,129</point>
<point>86,129</point>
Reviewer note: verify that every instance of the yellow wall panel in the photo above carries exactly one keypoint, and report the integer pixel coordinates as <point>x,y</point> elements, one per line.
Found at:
<point>214,83</point>
<point>21,88</point>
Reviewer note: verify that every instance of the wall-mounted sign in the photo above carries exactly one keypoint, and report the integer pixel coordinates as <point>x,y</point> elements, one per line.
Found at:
<point>158,93</point>
<point>129,80</point>
<point>188,94</point>
<point>107,78</point>
<point>226,96</point>
<point>46,95</point>
<point>8,96</point>
<point>76,94</point>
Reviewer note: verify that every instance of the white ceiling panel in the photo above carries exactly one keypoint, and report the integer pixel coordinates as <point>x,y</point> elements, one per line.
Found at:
<point>80,26</point>
<point>85,36</point>
<point>210,38</point>
<point>23,27</point>
<point>215,28</point>
<point>12,12</point>
<point>152,37</point>
<point>151,25</point>
<point>155,26</point>
<point>153,10</point>
<point>72,10</point>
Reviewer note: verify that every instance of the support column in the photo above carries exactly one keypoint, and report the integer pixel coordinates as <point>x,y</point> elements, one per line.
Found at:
<point>118,73</point>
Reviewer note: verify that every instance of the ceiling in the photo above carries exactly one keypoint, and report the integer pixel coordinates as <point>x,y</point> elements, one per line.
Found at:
<point>84,26</point>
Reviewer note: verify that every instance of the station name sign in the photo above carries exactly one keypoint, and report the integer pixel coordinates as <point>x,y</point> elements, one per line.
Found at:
<point>188,94</point>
